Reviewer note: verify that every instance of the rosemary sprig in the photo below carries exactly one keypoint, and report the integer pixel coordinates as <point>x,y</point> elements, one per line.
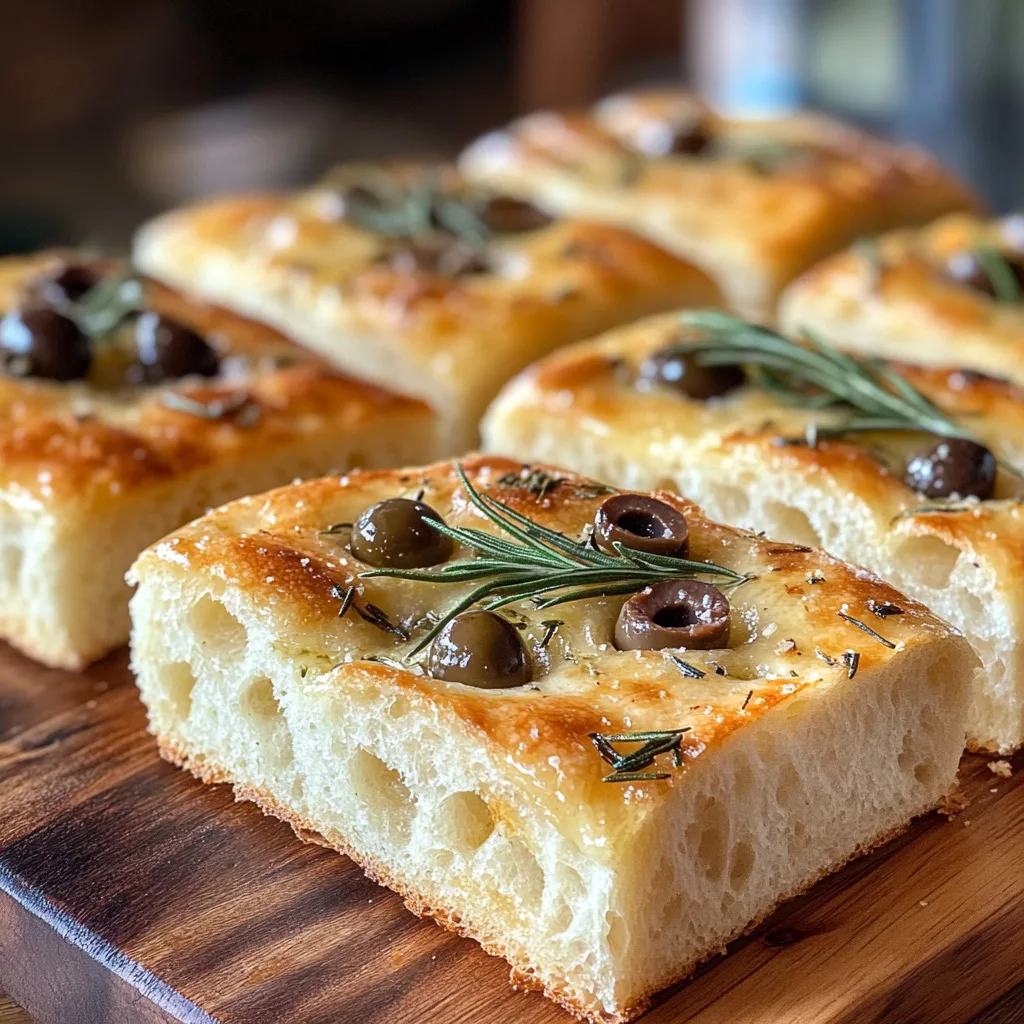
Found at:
<point>818,376</point>
<point>630,767</point>
<point>998,270</point>
<point>106,305</point>
<point>534,563</point>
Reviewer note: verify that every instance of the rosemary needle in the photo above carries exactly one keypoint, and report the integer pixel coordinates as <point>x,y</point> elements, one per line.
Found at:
<point>534,563</point>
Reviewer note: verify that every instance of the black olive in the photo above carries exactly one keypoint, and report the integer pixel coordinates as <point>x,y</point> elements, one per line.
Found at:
<point>952,466</point>
<point>66,284</point>
<point>675,368</point>
<point>356,201</point>
<point>642,523</point>
<point>687,137</point>
<point>481,649</point>
<point>41,342</point>
<point>965,268</point>
<point>168,349</point>
<point>395,533</point>
<point>444,256</point>
<point>676,613</point>
<point>505,215</point>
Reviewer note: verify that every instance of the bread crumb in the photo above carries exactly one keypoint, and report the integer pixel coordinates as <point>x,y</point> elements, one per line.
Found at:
<point>953,803</point>
<point>923,903</point>
<point>994,789</point>
<point>1000,768</point>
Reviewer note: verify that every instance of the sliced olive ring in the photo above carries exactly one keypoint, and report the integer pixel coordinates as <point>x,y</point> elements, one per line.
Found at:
<point>965,268</point>
<point>674,367</point>
<point>168,349</point>
<point>66,284</point>
<point>686,614</point>
<point>394,533</point>
<point>641,523</point>
<point>480,649</point>
<point>40,342</point>
<point>952,466</point>
<point>506,215</point>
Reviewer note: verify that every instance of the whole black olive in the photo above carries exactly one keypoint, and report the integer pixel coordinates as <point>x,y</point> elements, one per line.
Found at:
<point>952,466</point>
<point>444,256</point>
<point>965,268</point>
<point>687,137</point>
<point>168,349</point>
<point>40,342</point>
<point>65,284</point>
<point>505,215</point>
<point>675,368</point>
<point>676,613</point>
<point>481,649</point>
<point>642,523</point>
<point>395,533</point>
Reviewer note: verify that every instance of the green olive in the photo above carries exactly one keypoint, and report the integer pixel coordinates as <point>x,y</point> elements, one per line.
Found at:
<point>480,649</point>
<point>686,614</point>
<point>395,533</point>
<point>642,523</point>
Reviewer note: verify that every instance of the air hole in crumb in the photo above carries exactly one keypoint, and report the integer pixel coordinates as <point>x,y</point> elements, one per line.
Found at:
<point>258,699</point>
<point>728,503</point>
<point>617,934</point>
<point>526,877</point>
<point>464,822</point>
<point>788,787</point>
<point>178,682</point>
<point>561,918</point>
<point>666,483</point>
<point>386,797</point>
<point>742,866</point>
<point>215,628</point>
<point>743,781</point>
<point>712,833</point>
<point>790,524</point>
<point>11,558</point>
<point>399,707</point>
<point>926,560</point>
<point>926,774</point>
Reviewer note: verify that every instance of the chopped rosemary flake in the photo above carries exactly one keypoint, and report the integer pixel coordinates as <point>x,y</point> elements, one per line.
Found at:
<point>746,701</point>
<point>883,609</point>
<point>952,506</point>
<point>106,305</point>
<point>379,618</point>
<point>999,271</point>
<point>550,628</point>
<point>537,482</point>
<point>815,577</point>
<point>346,597</point>
<point>627,767</point>
<point>541,565</point>
<point>851,659</point>
<point>870,252</point>
<point>686,668</point>
<point>822,656</point>
<point>867,629</point>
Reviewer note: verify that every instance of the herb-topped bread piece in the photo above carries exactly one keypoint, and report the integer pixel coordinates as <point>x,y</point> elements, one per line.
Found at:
<point>951,294</point>
<point>906,470</point>
<point>594,730</point>
<point>409,277</point>
<point>752,202</point>
<point>125,411</point>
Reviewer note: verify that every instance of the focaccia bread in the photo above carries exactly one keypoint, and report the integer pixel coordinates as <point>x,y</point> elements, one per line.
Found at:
<point>601,809</point>
<point>752,202</point>
<point>947,295</point>
<point>611,408</point>
<point>407,277</point>
<point>125,411</point>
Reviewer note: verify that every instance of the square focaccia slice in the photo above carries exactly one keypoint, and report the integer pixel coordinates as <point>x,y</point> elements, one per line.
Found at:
<point>125,411</point>
<point>604,791</point>
<point>408,277</point>
<point>951,294</point>
<point>623,409</point>
<point>752,202</point>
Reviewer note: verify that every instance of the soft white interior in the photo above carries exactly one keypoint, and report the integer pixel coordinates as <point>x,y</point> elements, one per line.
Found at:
<point>63,598</point>
<point>737,487</point>
<point>420,798</point>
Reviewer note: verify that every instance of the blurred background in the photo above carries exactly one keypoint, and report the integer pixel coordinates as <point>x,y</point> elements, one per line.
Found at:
<point>113,109</point>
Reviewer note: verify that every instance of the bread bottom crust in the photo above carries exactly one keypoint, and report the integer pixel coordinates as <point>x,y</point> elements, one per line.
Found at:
<point>524,975</point>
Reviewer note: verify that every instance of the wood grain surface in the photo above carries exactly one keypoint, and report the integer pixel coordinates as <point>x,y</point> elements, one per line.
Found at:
<point>12,1014</point>
<point>129,893</point>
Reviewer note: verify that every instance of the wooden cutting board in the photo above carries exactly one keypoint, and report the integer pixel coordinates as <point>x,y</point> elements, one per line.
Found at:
<point>129,893</point>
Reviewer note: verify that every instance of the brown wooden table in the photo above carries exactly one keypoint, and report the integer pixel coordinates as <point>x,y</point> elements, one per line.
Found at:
<point>11,1014</point>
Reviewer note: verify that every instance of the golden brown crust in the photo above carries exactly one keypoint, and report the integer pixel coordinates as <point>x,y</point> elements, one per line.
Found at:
<point>788,636</point>
<point>595,383</point>
<point>93,443</point>
<point>728,213</point>
<point>896,299</point>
